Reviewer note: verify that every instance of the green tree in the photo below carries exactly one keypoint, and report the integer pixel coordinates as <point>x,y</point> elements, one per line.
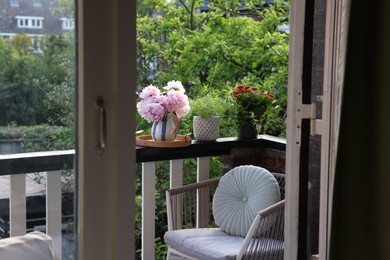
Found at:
<point>37,87</point>
<point>19,96</point>
<point>218,49</point>
<point>22,44</point>
<point>57,78</point>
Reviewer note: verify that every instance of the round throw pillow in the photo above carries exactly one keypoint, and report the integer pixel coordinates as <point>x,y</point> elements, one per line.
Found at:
<point>241,193</point>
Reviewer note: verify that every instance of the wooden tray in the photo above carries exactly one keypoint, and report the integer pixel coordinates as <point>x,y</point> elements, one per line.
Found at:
<point>147,140</point>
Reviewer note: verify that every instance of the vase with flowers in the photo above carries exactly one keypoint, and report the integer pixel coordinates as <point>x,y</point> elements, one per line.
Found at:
<point>251,103</point>
<point>164,108</point>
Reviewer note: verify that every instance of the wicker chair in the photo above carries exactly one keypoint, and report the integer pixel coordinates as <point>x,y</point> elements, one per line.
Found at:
<point>193,232</point>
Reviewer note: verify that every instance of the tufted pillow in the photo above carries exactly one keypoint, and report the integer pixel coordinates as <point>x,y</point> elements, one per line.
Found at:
<point>32,246</point>
<point>241,193</point>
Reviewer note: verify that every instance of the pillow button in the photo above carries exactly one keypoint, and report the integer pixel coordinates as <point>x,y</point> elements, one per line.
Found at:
<point>245,199</point>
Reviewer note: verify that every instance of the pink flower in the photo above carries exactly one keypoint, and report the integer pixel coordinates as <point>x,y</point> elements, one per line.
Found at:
<point>154,104</point>
<point>182,111</point>
<point>151,111</point>
<point>177,101</point>
<point>162,100</point>
<point>149,91</point>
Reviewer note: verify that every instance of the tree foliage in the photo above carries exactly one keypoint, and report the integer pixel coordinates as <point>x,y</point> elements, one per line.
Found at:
<point>37,85</point>
<point>219,48</point>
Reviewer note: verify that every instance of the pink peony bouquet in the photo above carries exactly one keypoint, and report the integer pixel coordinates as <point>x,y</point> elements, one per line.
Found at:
<point>155,104</point>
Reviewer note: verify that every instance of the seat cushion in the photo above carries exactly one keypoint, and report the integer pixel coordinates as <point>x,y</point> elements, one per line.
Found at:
<point>204,243</point>
<point>214,244</point>
<point>241,193</point>
<point>32,246</point>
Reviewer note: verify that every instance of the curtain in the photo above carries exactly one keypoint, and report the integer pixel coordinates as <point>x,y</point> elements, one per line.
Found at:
<point>360,226</point>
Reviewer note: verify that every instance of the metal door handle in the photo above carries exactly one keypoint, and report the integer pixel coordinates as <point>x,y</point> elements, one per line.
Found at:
<point>102,126</point>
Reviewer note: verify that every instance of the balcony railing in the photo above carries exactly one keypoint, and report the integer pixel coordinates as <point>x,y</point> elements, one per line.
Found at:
<point>18,165</point>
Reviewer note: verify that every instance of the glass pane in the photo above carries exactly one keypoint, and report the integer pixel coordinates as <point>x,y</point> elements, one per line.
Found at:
<point>218,51</point>
<point>37,101</point>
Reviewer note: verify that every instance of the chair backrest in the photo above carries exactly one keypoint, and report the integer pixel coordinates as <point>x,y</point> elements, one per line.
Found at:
<point>182,209</point>
<point>281,178</point>
<point>182,203</point>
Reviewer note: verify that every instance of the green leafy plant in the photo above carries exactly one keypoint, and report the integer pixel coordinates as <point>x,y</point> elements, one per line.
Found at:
<point>209,105</point>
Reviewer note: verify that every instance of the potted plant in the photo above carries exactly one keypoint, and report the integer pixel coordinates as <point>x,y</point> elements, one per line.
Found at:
<point>206,111</point>
<point>251,103</point>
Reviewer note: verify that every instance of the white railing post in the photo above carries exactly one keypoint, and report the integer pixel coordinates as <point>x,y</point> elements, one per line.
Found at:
<point>203,168</point>
<point>18,205</point>
<point>176,176</point>
<point>203,199</point>
<point>176,180</point>
<point>53,211</point>
<point>148,210</point>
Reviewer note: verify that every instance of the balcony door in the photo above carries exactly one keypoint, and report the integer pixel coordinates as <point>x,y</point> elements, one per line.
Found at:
<point>106,124</point>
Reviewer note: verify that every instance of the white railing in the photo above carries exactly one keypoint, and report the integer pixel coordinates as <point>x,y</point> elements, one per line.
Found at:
<point>149,201</point>
<point>18,165</point>
<point>18,208</point>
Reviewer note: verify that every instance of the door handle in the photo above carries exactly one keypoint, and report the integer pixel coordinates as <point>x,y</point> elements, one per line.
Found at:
<point>102,126</point>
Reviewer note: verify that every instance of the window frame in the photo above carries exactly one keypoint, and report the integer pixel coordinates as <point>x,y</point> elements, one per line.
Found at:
<point>26,22</point>
<point>106,67</point>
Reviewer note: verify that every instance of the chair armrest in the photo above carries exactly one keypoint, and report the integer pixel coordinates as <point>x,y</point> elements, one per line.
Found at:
<point>182,206</point>
<point>266,232</point>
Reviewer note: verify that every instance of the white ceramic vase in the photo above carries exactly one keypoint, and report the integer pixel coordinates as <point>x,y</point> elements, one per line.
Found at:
<point>165,129</point>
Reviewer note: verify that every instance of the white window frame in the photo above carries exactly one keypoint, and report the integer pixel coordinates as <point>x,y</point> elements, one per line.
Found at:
<point>14,3</point>
<point>37,3</point>
<point>30,22</point>
<point>293,147</point>
<point>327,127</point>
<point>67,23</point>
<point>106,183</point>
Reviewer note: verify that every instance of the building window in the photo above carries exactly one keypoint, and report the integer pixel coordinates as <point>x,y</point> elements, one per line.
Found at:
<point>67,23</point>
<point>30,22</point>
<point>37,3</point>
<point>14,3</point>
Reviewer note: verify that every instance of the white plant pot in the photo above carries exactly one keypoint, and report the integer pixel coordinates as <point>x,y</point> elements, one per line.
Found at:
<point>206,129</point>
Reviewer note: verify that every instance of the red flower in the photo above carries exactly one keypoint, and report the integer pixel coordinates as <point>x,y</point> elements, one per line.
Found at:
<point>252,101</point>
